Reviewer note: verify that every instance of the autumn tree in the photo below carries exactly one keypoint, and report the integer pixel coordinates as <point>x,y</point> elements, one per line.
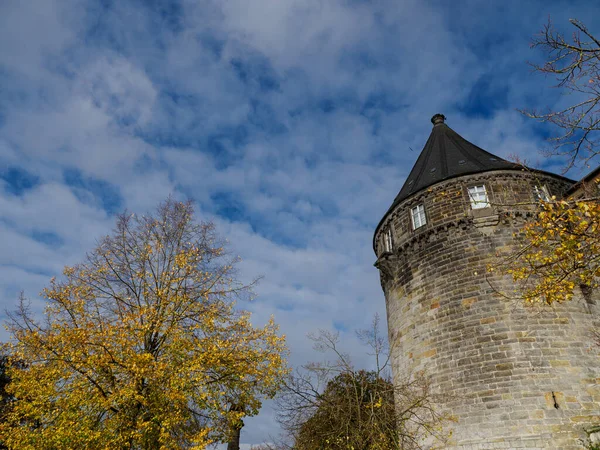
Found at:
<point>335,406</point>
<point>356,405</point>
<point>141,346</point>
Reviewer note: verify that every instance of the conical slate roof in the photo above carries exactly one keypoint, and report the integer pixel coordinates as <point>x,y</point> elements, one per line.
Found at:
<point>447,155</point>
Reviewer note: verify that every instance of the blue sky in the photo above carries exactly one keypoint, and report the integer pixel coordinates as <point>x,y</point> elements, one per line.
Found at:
<point>291,123</point>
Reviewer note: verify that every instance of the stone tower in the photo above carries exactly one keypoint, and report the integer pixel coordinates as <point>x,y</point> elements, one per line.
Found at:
<point>513,376</point>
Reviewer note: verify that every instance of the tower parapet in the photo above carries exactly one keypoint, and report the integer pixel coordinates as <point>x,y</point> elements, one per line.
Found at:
<point>513,376</point>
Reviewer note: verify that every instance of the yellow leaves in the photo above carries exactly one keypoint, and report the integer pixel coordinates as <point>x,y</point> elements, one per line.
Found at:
<point>560,251</point>
<point>134,348</point>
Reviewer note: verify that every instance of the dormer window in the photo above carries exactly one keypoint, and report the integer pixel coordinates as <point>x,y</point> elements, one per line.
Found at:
<point>417,215</point>
<point>541,193</point>
<point>478,197</point>
<point>388,244</point>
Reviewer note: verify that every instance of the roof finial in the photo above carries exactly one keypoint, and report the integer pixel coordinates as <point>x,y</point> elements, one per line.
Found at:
<point>438,119</point>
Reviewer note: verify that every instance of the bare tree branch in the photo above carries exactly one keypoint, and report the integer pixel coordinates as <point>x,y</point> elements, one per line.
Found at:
<point>576,66</point>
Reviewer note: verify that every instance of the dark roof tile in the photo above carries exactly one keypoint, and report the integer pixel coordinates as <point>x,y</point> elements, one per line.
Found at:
<point>447,155</point>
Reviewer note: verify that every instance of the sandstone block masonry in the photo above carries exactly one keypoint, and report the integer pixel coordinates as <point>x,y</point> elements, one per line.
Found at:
<point>513,376</point>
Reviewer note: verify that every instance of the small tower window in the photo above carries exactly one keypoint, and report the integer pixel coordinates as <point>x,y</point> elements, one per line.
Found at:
<point>478,197</point>
<point>388,244</point>
<point>541,193</point>
<point>417,214</point>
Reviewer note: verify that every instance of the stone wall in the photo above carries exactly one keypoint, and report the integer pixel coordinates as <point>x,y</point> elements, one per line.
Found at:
<point>513,376</point>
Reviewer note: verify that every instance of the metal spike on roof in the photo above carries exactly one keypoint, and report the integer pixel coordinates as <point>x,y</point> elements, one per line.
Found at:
<point>447,155</point>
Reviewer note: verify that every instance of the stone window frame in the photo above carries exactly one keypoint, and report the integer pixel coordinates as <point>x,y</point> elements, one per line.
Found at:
<point>387,240</point>
<point>541,192</point>
<point>476,203</point>
<point>418,218</point>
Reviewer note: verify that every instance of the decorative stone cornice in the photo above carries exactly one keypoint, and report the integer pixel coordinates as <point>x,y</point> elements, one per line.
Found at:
<point>504,174</point>
<point>441,228</point>
<point>386,263</point>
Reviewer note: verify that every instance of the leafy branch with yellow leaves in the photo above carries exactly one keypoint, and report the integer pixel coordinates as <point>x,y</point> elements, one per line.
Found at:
<point>560,251</point>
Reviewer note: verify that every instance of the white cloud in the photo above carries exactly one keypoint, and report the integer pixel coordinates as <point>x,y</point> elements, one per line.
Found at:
<point>30,36</point>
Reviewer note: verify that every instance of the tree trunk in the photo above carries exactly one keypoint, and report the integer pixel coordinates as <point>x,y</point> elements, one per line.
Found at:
<point>234,443</point>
